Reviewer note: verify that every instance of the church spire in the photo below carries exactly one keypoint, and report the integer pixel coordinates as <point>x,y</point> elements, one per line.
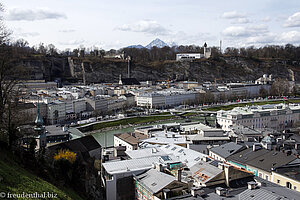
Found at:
<point>39,122</point>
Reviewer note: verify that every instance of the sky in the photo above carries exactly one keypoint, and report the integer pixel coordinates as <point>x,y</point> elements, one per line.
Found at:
<point>113,24</point>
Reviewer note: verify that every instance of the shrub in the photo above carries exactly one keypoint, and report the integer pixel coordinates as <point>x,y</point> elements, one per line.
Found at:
<point>65,154</point>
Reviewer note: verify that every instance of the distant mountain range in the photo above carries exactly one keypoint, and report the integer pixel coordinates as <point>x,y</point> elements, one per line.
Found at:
<point>157,42</point>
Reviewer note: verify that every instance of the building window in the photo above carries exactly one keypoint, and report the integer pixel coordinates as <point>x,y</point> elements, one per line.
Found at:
<point>289,185</point>
<point>278,181</point>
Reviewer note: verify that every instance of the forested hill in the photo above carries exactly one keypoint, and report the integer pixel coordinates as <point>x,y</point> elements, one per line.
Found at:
<point>159,64</point>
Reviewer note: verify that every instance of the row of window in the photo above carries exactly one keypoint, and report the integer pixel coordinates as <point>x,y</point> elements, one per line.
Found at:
<point>288,184</point>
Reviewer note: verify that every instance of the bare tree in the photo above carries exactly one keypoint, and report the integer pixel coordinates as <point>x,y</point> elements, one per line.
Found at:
<point>10,74</point>
<point>280,87</point>
<point>4,32</point>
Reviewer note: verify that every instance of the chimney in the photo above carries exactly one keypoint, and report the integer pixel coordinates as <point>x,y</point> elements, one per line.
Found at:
<point>179,172</point>
<point>166,192</point>
<point>221,191</point>
<point>64,129</point>
<point>227,174</point>
<point>154,150</point>
<point>190,184</point>
<point>252,185</point>
<point>221,166</point>
<point>205,159</point>
<point>197,191</point>
<point>159,167</point>
<point>256,146</point>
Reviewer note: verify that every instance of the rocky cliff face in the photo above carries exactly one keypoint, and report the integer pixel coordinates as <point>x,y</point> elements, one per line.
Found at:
<point>225,69</point>
<point>48,68</point>
<point>97,70</point>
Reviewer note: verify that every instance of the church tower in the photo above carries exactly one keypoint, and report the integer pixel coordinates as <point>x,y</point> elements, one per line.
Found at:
<point>40,129</point>
<point>206,51</point>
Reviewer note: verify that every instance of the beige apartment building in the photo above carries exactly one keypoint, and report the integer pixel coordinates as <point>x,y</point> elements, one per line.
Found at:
<point>278,117</point>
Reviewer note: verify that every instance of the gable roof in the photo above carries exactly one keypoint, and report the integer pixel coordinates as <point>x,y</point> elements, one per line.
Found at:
<point>271,159</point>
<point>132,139</point>
<point>290,171</point>
<point>227,149</point>
<point>203,172</point>
<point>83,144</point>
<point>258,194</point>
<point>155,180</point>
<point>129,95</point>
<point>262,158</point>
<point>243,157</point>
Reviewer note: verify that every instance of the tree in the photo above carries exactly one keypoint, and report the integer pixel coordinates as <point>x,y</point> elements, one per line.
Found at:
<point>10,74</point>
<point>280,87</point>
<point>263,92</point>
<point>4,33</point>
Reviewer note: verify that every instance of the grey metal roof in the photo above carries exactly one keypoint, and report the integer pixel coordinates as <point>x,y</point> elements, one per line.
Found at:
<point>258,194</point>
<point>116,167</point>
<point>279,190</point>
<point>227,149</point>
<point>155,180</point>
<point>203,172</point>
<point>271,159</point>
<point>246,155</point>
<point>184,155</point>
<point>55,130</point>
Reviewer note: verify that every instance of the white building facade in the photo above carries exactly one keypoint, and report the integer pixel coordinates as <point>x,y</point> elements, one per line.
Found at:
<point>277,117</point>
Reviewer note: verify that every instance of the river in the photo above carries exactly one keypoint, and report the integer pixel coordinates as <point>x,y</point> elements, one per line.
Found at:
<point>106,138</point>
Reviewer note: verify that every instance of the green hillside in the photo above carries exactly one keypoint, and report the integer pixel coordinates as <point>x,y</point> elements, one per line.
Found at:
<point>16,180</point>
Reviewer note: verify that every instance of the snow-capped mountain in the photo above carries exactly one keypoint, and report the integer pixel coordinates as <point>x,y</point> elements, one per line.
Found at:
<point>173,44</point>
<point>158,43</point>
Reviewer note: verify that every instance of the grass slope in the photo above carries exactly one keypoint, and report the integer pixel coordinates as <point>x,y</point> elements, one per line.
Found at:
<point>134,120</point>
<point>16,180</point>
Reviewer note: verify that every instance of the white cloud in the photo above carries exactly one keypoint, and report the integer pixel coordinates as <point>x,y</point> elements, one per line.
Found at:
<point>266,19</point>
<point>261,39</point>
<point>32,15</point>
<point>242,31</point>
<point>188,39</point>
<point>235,31</point>
<point>257,28</point>
<point>21,33</point>
<point>289,37</point>
<point>145,26</point>
<point>241,21</point>
<point>293,21</point>
<point>233,15</point>
<point>28,34</point>
<point>73,42</point>
<point>67,31</point>
<point>237,17</point>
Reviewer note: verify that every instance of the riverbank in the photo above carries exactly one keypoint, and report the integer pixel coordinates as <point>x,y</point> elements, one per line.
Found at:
<point>101,126</point>
<point>120,126</point>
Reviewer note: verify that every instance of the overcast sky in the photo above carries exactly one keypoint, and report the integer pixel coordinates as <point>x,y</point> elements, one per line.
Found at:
<point>118,23</point>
